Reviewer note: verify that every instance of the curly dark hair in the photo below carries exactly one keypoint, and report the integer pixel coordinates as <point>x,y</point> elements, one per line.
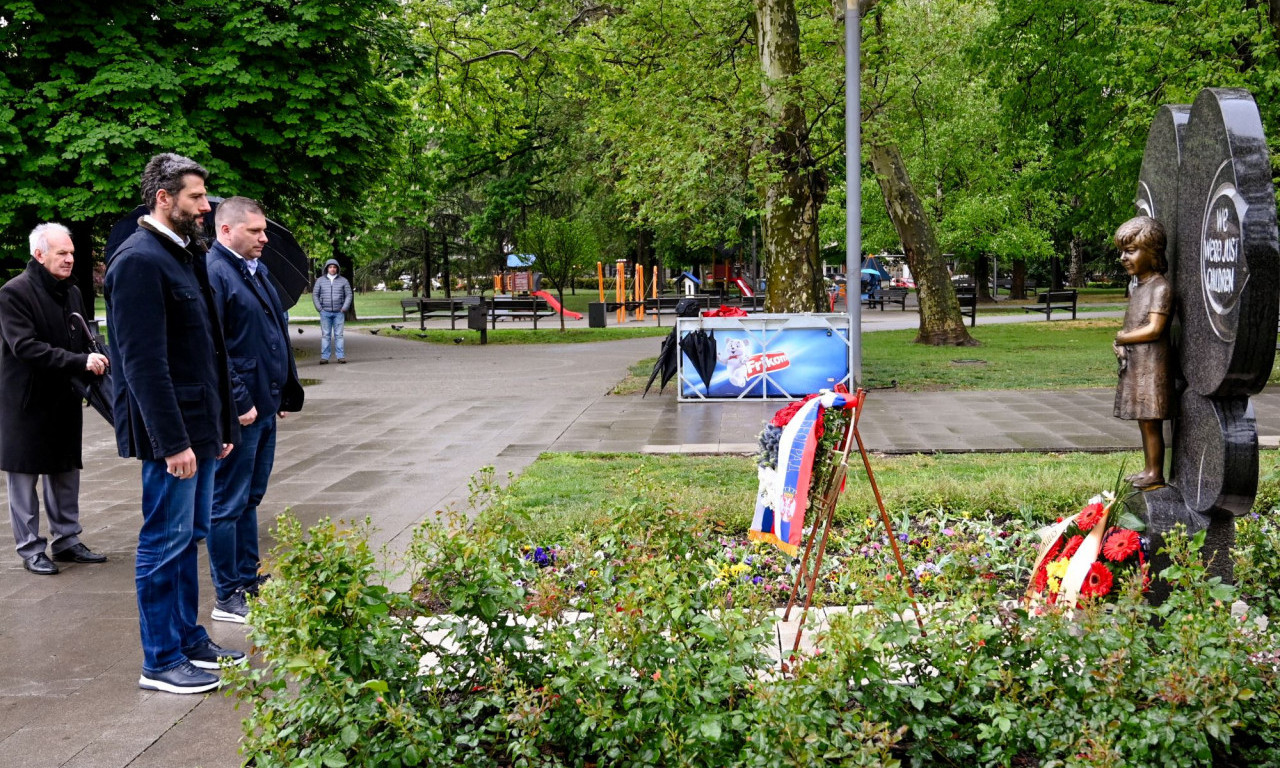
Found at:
<point>1147,234</point>
<point>167,171</point>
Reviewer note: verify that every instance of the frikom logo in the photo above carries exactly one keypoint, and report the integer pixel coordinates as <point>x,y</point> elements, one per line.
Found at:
<point>1223,271</point>
<point>767,362</point>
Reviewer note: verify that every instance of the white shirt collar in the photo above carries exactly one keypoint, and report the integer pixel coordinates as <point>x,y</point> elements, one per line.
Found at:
<point>165,230</point>
<point>252,264</point>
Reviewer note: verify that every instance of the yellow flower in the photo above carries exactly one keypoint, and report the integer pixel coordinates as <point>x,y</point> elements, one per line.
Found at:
<point>739,568</point>
<point>1058,568</point>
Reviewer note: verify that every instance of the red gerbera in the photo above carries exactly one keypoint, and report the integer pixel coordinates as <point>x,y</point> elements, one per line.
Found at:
<point>1089,516</point>
<point>1053,552</point>
<point>1041,580</point>
<point>787,412</point>
<point>1097,582</point>
<point>1120,544</point>
<point>1072,546</point>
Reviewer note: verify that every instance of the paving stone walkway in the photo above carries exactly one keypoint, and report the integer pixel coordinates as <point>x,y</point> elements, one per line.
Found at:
<point>393,435</point>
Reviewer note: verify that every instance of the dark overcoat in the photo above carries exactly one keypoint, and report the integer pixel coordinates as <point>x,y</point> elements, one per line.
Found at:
<point>263,373</point>
<point>168,360</point>
<point>41,417</point>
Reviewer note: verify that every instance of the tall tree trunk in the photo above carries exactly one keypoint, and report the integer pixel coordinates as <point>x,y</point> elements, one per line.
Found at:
<point>426,261</point>
<point>982,278</point>
<point>1018,279</point>
<point>941,323</point>
<point>1075,273</point>
<point>794,193</point>
<point>444,261</point>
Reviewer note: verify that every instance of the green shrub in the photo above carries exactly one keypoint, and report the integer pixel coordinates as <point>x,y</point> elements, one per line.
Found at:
<point>633,646</point>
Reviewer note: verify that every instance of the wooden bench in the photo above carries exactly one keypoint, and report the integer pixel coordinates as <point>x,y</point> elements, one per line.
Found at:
<point>1059,301</point>
<point>893,296</point>
<point>452,308</point>
<point>511,308</point>
<point>969,307</point>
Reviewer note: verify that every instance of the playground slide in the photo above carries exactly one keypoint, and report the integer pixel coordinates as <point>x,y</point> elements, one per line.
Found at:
<point>744,286</point>
<point>551,302</point>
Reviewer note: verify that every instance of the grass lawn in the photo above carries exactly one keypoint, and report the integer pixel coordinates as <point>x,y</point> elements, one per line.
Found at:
<point>1033,355</point>
<point>565,492</point>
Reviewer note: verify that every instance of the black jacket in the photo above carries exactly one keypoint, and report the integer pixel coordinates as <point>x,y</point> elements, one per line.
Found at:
<point>41,417</point>
<point>168,360</point>
<point>263,374</point>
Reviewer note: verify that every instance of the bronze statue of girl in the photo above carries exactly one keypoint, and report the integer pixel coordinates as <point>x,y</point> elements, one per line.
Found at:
<point>1142,345</point>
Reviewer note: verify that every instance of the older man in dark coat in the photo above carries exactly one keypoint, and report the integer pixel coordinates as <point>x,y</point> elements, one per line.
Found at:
<point>40,412</point>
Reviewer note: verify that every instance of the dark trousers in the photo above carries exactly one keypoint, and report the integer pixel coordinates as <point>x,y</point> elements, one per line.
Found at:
<point>241,483</point>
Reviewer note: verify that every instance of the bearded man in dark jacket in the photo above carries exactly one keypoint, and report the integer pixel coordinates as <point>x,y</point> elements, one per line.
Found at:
<point>174,412</point>
<point>40,414</point>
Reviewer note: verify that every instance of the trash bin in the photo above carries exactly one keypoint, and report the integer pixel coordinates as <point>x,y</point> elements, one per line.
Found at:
<point>595,315</point>
<point>477,316</point>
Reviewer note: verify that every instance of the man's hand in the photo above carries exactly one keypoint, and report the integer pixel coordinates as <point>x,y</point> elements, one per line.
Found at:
<point>249,416</point>
<point>280,415</point>
<point>181,465</point>
<point>97,363</point>
<point>226,449</point>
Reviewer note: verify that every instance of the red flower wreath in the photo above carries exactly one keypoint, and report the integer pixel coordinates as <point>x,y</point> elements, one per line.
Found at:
<point>1097,582</point>
<point>1120,544</point>
<point>1089,516</point>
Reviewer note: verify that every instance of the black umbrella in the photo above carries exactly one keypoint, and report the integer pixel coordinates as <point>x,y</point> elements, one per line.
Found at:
<point>95,389</point>
<point>700,347</point>
<point>287,264</point>
<point>666,363</point>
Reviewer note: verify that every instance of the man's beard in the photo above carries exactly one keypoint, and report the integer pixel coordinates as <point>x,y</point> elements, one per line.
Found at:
<point>186,224</point>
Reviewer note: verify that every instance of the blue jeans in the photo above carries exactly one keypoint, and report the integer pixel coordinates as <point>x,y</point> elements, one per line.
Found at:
<point>331,324</point>
<point>175,517</point>
<point>241,483</point>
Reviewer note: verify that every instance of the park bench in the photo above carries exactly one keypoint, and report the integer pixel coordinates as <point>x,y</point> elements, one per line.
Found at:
<point>452,308</point>
<point>893,296</point>
<point>512,308</point>
<point>969,307</point>
<point>1055,301</point>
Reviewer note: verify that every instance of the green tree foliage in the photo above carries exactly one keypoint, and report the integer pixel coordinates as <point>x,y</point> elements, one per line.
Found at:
<point>1079,83</point>
<point>565,249</point>
<point>282,101</point>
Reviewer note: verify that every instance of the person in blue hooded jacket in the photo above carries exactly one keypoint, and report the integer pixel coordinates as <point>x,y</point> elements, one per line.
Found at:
<point>332,297</point>
<point>264,384</point>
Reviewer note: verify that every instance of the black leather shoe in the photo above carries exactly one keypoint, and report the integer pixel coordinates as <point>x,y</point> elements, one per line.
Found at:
<point>40,563</point>
<point>78,553</point>
<point>210,655</point>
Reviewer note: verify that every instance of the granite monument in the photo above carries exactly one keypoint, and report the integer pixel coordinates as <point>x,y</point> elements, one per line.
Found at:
<point>1206,177</point>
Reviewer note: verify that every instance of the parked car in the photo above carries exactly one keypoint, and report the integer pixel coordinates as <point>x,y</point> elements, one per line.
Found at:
<point>902,282</point>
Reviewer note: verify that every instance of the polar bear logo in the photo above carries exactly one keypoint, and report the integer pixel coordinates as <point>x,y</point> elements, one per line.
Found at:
<point>735,360</point>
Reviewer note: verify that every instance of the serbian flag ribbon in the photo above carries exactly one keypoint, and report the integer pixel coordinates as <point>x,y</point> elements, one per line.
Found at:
<point>784,492</point>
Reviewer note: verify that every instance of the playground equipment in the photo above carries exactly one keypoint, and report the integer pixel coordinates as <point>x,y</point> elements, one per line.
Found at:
<point>551,302</point>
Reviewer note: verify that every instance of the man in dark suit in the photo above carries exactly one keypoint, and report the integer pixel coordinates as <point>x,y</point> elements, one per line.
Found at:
<point>264,382</point>
<point>40,414</point>
<point>174,412</point>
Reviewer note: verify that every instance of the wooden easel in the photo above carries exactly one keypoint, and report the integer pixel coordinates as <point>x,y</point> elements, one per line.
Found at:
<point>826,511</point>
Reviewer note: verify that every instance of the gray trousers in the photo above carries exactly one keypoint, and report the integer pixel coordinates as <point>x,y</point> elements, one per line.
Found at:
<point>61,502</point>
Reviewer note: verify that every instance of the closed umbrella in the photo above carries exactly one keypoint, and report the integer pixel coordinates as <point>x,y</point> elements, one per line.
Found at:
<point>700,347</point>
<point>96,390</point>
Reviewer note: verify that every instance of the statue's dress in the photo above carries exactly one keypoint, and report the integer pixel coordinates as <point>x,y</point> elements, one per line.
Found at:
<point>1143,389</point>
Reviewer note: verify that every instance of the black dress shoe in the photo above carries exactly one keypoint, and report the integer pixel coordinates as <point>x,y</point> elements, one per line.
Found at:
<point>79,553</point>
<point>40,563</point>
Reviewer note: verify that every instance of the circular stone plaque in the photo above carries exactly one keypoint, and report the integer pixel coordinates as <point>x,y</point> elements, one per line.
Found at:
<point>1215,453</point>
<point>1228,257</point>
